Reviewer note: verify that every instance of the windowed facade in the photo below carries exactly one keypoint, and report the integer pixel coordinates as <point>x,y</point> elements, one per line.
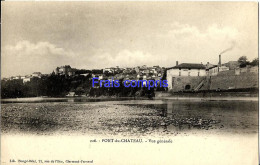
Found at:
<point>184,70</point>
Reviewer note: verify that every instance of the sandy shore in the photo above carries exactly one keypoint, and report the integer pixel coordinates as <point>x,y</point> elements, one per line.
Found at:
<point>99,118</point>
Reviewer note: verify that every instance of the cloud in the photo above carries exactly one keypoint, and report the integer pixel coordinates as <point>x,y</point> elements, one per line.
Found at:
<point>175,42</point>
<point>25,57</point>
<point>188,43</point>
<point>182,29</point>
<point>213,35</point>
<point>26,48</point>
<point>181,42</point>
<point>125,58</point>
<point>212,31</point>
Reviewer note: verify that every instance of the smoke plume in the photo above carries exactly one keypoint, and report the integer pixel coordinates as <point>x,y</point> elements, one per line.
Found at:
<point>229,49</point>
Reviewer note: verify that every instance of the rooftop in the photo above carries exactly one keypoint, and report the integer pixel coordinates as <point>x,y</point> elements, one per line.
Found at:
<point>188,66</point>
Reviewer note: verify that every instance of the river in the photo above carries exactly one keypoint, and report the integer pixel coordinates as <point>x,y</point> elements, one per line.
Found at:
<point>130,116</point>
<point>203,131</point>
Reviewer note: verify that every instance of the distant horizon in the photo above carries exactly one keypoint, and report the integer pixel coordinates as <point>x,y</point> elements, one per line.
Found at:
<point>121,67</point>
<point>112,67</point>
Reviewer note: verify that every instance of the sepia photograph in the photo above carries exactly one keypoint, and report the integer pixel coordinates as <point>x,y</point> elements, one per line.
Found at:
<point>127,82</point>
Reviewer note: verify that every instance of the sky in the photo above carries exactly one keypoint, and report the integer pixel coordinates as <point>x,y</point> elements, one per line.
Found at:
<point>39,36</point>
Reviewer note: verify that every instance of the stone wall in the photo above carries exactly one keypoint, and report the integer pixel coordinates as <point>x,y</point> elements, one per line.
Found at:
<point>225,82</point>
<point>187,83</point>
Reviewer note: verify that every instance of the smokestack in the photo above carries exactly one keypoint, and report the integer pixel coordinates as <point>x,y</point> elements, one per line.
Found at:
<point>177,63</point>
<point>219,63</point>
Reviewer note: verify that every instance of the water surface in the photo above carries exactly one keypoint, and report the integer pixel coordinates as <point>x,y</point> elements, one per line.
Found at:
<point>129,117</point>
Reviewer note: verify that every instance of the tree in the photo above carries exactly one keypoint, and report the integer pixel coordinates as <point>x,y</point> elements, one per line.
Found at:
<point>242,61</point>
<point>79,91</point>
<point>255,62</point>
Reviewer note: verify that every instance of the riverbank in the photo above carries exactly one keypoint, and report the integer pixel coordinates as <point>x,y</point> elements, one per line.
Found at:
<point>131,117</point>
<point>158,95</point>
<point>98,118</point>
<point>208,94</point>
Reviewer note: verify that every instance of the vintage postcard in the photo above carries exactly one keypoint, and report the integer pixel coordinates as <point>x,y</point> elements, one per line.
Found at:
<point>129,83</point>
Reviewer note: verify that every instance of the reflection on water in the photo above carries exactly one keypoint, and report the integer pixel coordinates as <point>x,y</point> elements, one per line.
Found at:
<point>228,116</point>
<point>124,116</point>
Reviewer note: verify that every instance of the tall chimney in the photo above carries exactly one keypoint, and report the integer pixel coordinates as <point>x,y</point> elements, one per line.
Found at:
<point>177,63</point>
<point>219,63</point>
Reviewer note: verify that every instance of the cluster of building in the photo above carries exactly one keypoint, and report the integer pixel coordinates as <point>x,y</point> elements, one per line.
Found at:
<point>135,73</point>
<point>26,78</point>
<point>62,70</point>
<point>191,76</point>
<point>184,76</point>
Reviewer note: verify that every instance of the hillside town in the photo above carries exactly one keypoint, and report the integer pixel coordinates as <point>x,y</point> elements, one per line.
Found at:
<point>184,77</point>
<point>139,72</point>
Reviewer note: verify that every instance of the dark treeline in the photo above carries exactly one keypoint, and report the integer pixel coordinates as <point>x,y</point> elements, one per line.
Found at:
<point>60,86</point>
<point>243,62</point>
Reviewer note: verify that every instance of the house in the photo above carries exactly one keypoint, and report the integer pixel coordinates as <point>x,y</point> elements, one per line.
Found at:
<point>110,70</point>
<point>223,68</point>
<point>119,76</point>
<point>65,70</point>
<point>71,94</point>
<point>72,72</point>
<point>26,79</point>
<point>37,74</point>
<point>84,74</point>
<point>17,78</point>
<point>97,75</point>
<point>126,71</point>
<point>213,70</point>
<point>143,67</point>
<point>184,70</point>
<point>187,69</point>
<point>146,71</point>
<point>137,69</point>
<point>100,77</point>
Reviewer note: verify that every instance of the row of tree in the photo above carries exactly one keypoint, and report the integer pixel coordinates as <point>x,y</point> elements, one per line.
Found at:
<point>60,86</point>
<point>243,62</point>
